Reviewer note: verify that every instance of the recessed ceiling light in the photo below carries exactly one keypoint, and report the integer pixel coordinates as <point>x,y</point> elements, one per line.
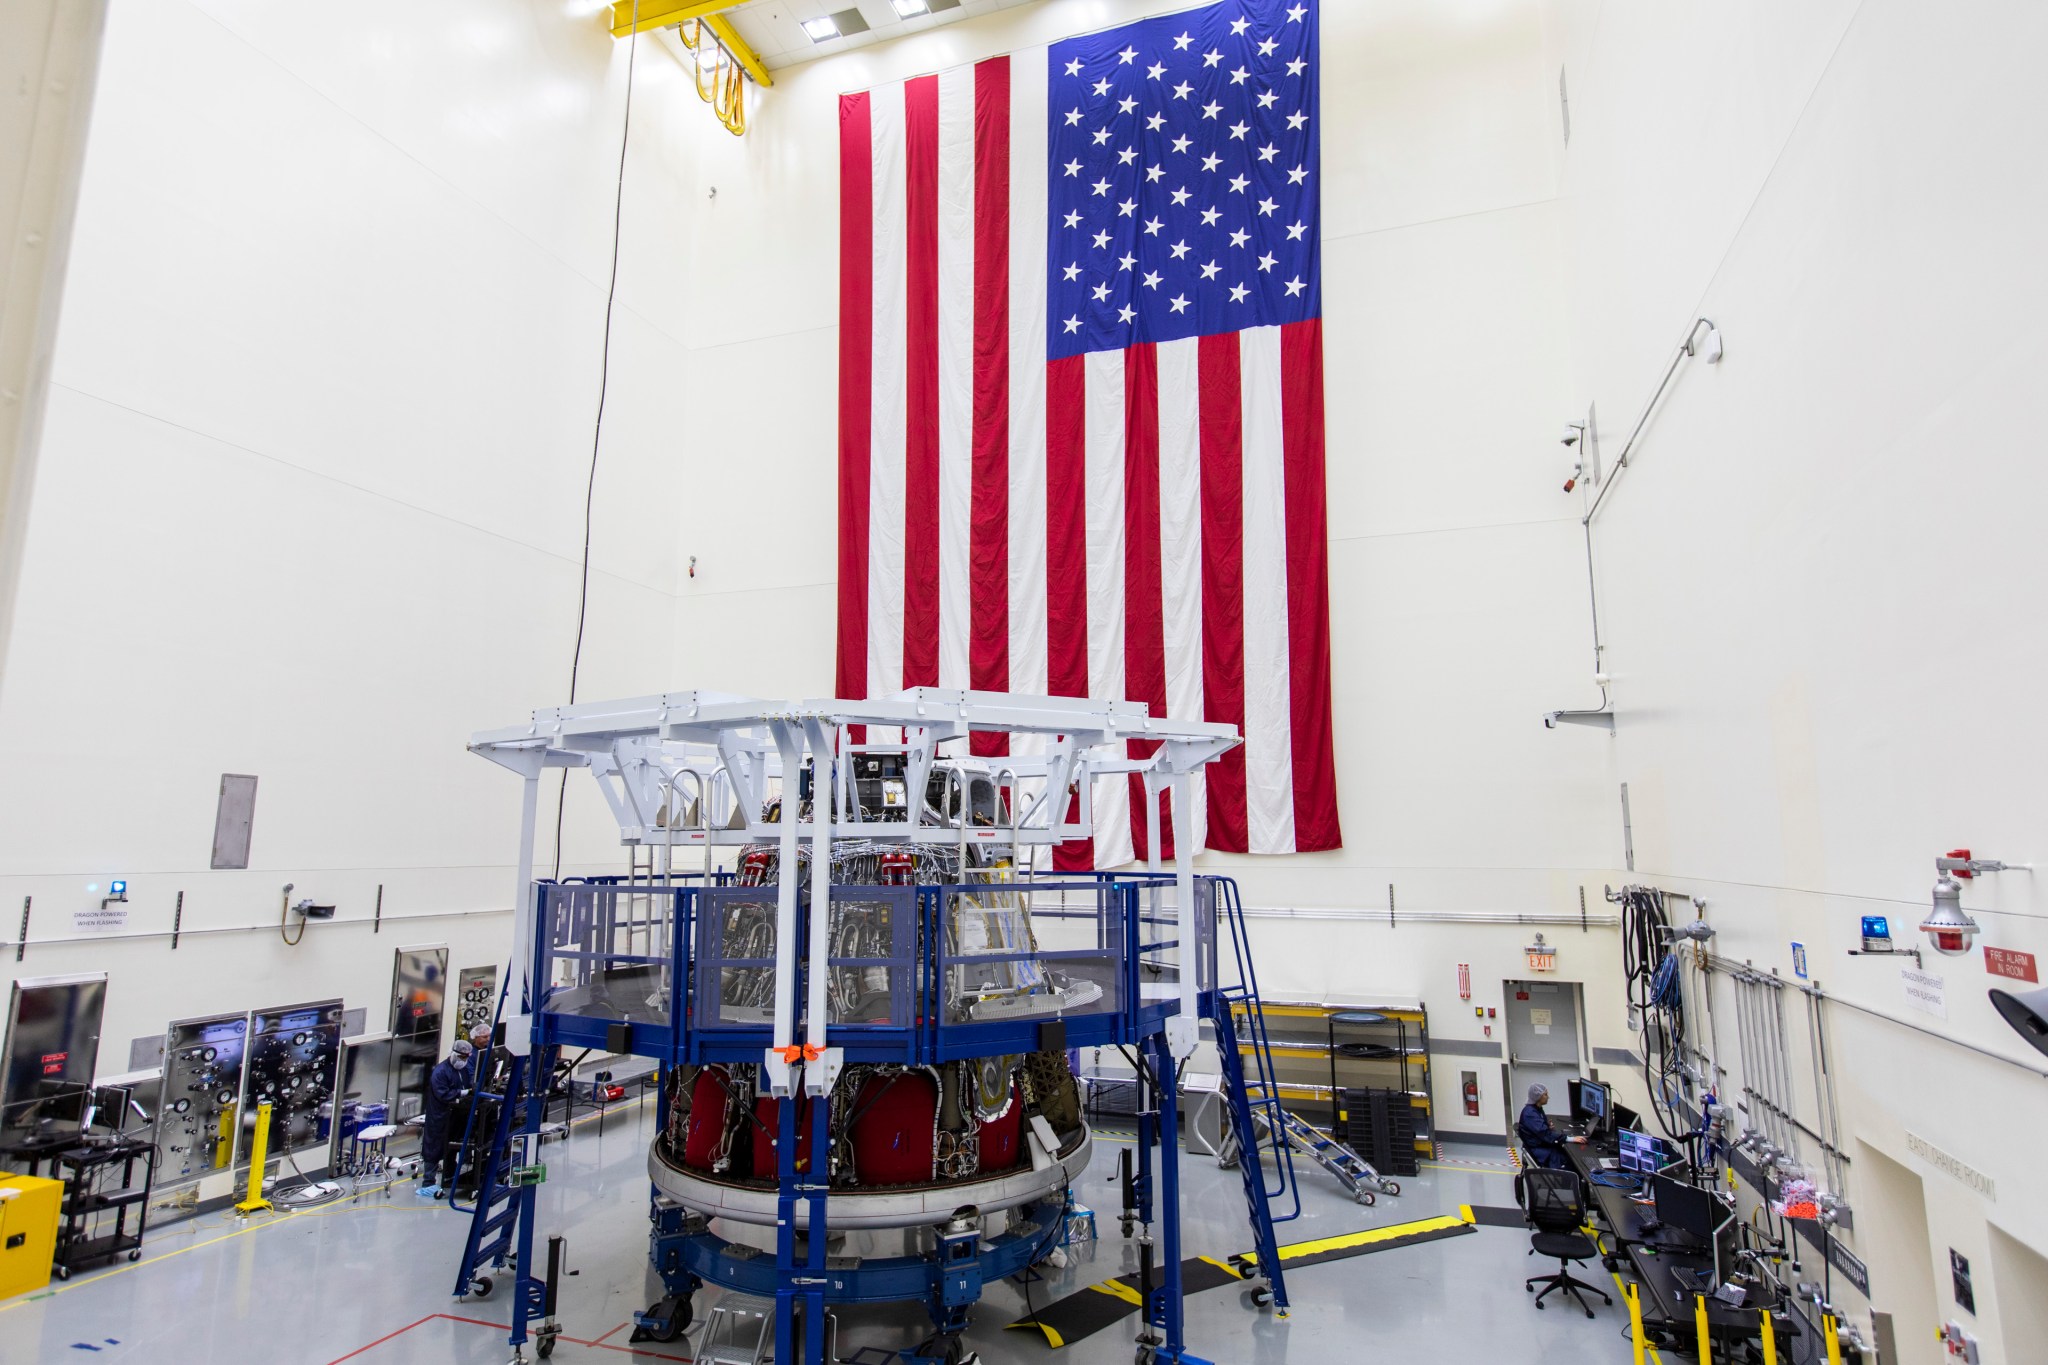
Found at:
<point>821,29</point>
<point>910,9</point>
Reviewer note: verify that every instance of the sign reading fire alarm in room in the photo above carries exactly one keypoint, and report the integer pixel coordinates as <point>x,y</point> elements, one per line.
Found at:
<point>2010,962</point>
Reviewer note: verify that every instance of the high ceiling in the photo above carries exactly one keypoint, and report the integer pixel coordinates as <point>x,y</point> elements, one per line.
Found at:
<point>774,28</point>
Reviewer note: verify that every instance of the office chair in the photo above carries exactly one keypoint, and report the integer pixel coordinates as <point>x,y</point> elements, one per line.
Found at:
<point>1556,1210</point>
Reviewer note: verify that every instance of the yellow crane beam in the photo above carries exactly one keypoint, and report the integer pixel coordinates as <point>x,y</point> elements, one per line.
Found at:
<point>653,14</point>
<point>737,46</point>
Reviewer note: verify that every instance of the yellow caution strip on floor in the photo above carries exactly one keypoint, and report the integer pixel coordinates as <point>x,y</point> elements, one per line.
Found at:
<point>1372,1239</point>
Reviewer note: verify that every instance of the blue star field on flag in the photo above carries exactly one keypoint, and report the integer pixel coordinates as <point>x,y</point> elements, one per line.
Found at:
<point>1183,191</point>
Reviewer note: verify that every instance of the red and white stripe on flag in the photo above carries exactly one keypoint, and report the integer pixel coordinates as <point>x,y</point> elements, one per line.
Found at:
<point>1143,524</point>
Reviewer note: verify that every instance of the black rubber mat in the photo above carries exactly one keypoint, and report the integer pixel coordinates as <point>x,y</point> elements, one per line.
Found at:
<point>1487,1217</point>
<point>1087,1311</point>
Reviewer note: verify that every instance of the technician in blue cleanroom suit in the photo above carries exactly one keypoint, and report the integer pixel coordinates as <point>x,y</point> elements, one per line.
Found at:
<point>446,1085</point>
<point>1544,1147</point>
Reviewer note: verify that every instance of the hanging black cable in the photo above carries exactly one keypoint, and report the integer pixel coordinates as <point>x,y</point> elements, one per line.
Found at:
<point>604,376</point>
<point>1653,993</point>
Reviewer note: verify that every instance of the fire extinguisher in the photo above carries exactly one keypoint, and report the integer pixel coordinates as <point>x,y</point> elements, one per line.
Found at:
<point>1471,1095</point>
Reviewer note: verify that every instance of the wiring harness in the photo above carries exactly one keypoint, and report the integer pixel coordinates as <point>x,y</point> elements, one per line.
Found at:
<point>1652,979</point>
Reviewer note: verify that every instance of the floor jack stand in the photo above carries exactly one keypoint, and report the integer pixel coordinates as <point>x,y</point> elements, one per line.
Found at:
<point>550,1326</point>
<point>1162,1340</point>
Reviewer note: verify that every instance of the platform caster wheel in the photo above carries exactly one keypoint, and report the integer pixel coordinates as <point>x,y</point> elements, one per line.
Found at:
<point>135,1255</point>
<point>1125,1225</point>
<point>544,1347</point>
<point>63,1272</point>
<point>481,1287</point>
<point>666,1320</point>
<point>1260,1298</point>
<point>1365,1197</point>
<point>1392,1188</point>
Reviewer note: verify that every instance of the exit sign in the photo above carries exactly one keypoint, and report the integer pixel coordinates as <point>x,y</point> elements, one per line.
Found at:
<point>2012,963</point>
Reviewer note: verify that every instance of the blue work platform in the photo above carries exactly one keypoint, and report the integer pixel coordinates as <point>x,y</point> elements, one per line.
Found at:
<point>635,966</point>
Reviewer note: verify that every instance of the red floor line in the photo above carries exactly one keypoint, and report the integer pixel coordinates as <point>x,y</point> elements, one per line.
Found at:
<point>476,1322</point>
<point>506,1327</point>
<point>381,1340</point>
<point>629,1351</point>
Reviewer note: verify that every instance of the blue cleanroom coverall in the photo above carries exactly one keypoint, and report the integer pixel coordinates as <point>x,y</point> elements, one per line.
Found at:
<point>1544,1147</point>
<point>445,1086</point>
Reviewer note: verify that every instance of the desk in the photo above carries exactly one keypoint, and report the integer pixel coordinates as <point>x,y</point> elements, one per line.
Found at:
<point>1619,1214</point>
<point>1669,1288</point>
<point>1663,1264</point>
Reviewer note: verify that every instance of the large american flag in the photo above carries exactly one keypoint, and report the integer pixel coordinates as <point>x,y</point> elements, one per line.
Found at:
<point>1081,399</point>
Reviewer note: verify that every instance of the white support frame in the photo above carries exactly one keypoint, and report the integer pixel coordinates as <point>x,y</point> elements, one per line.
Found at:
<point>639,748</point>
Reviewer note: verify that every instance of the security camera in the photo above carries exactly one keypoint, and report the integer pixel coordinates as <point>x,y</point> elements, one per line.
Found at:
<point>1572,433</point>
<point>1550,719</point>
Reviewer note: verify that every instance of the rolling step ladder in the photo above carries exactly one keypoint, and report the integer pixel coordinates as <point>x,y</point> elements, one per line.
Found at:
<point>501,1218</point>
<point>1360,1179</point>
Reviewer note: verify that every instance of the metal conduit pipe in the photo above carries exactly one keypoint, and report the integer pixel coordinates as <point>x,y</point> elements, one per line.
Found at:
<point>1433,916</point>
<point>1781,1068</point>
<point>1832,1140</point>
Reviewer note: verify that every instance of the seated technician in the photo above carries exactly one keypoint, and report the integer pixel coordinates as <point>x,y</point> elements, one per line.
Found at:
<point>1545,1147</point>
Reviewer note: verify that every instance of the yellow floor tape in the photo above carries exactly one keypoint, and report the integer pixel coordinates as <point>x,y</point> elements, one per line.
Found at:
<point>1352,1241</point>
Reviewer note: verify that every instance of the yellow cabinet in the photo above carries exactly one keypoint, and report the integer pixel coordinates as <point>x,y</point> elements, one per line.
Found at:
<point>29,1209</point>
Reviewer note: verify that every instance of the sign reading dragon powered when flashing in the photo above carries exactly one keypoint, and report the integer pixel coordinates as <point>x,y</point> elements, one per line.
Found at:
<point>1925,991</point>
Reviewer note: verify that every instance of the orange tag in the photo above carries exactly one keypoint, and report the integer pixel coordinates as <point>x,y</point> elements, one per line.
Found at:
<point>801,1052</point>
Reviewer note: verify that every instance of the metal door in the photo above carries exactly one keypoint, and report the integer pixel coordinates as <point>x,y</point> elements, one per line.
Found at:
<point>1543,1041</point>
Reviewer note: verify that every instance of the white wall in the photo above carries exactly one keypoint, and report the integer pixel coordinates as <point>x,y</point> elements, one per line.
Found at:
<point>310,495</point>
<point>1455,559</point>
<point>1821,576</point>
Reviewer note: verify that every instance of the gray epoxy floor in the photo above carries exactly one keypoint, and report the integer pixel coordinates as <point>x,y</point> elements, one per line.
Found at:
<point>367,1281</point>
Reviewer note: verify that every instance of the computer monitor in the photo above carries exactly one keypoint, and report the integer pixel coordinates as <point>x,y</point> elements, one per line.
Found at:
<point>1624,1117</point>
<point>1593,1105</point>
<point>1685,1209</point>
<point>1645,1152</point>
<point>1589,1102</point>
<point>1633,1151</point>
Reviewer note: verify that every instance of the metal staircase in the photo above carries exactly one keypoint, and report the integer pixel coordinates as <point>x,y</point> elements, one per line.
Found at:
<point>1254,1101</point>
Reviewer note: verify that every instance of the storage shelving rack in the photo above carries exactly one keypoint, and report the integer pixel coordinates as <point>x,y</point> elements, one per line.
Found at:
<point>1311,1073</point>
